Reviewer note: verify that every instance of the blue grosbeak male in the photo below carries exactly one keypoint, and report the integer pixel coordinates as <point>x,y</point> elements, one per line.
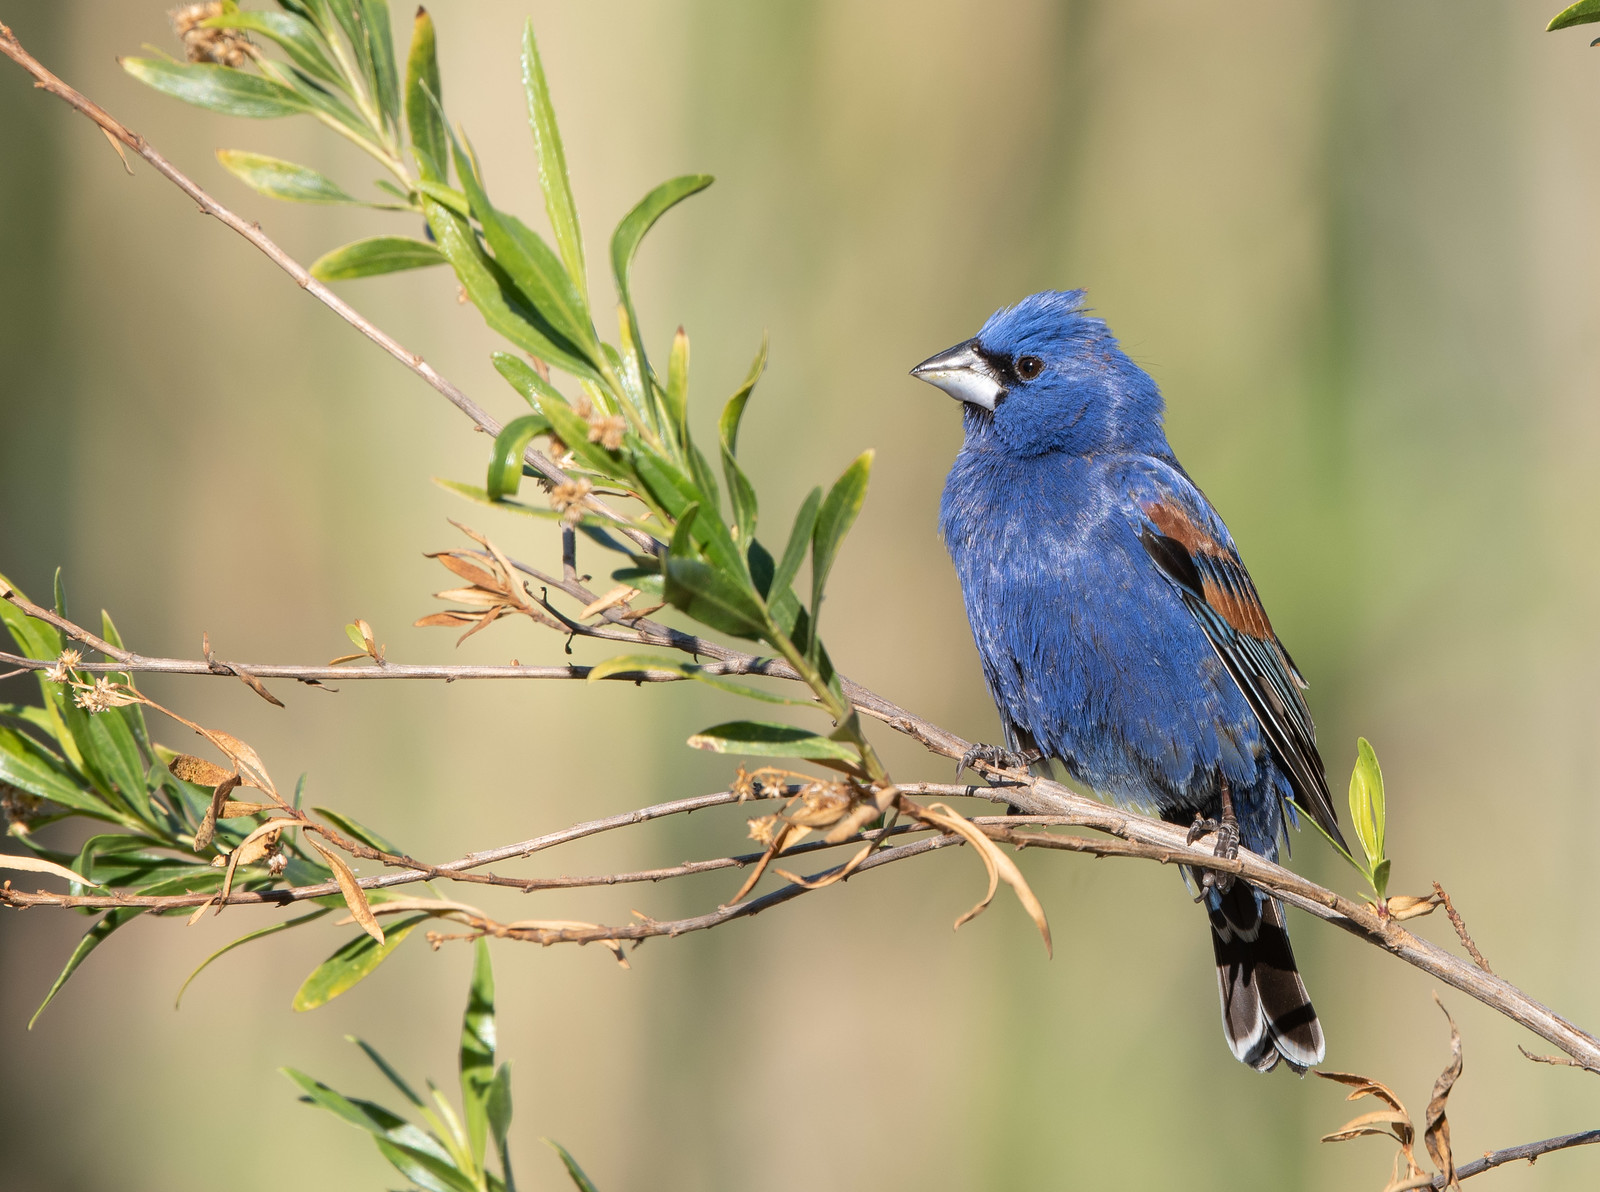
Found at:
<point>1119,630</point>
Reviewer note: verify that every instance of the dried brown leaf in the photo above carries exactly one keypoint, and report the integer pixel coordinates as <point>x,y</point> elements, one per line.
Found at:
<point>485,620</point>
<point>199,911</point>
<point>40,865</point>
<point>197,770</point>
<point>258,687</point>
<point>236,857</point>
<point>251,770</point>
<point>354,897</point>
<point>1409,906</point>
<point>1436,1126</point>
<point>998,864</point>
<point>344,658</point>
<point>207,830</point>
<point>1381,1121</point>
<point>468,570</point>
<point>827,879</point>
<point>232,810</point>
<point>620,594</point>
<point>1365,1086</point>
<point>481,597</point>
<point>254,851</point>
<point>445,620</point>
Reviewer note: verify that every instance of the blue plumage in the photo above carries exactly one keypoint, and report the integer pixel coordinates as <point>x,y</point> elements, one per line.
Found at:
<point>1118,628</point>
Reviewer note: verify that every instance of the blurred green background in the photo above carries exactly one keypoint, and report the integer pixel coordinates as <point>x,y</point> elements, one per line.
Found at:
<point>1354,242</point>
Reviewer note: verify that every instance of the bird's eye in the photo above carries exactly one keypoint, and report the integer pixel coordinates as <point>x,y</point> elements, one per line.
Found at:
<point>1029,367</point>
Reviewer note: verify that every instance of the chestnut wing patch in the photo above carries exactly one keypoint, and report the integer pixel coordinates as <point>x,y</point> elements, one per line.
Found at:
<point>1217,590</point>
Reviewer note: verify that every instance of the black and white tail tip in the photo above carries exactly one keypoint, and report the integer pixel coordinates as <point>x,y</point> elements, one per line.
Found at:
<point>1266,1013</point>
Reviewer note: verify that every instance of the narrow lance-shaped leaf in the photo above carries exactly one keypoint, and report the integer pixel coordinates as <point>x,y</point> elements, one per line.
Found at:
<point>625,244</point>
<point>376,255</point>
<point>354,961</point>
<point>575,1173</point>
<point>677,391</point>
<point>424,96</point>
<point>530,264</point>
<point>522,377</point>
<point>380,55</point>
<point>834,519</point>
<point>247,938</point>
<point>499,1111</point>
<point>1367,811</point>
<point>478,1041</point>
<point>282,179</point>
<point>794,553</point>
<point>558,201</point>
<point>1584,12</point>
<point>219,88</point>
<point>764,739</point>
<point>493,294</point>
<point>505,464</point>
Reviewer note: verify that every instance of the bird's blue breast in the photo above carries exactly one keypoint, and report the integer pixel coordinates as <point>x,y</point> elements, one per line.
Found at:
<point>1088,649</point>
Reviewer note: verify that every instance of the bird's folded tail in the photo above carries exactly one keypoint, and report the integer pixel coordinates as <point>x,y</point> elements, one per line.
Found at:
<point>1266,1012</point>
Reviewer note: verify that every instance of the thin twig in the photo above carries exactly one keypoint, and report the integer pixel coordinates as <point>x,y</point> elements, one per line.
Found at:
<point>1560,1061</point>
<point>1528,1150</point>
<point>48,81</point>
<point>1461,929</point>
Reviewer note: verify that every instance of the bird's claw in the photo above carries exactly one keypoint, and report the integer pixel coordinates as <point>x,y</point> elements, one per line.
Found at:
<point>1226,831</point>
<point>1001,758</point>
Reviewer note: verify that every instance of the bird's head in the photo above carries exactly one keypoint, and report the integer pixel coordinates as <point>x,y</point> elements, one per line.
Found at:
<point>1045,376</point>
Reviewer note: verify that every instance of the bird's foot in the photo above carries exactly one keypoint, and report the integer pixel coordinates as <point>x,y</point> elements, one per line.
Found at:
<point>1226,831</point>
<point>994,755</point>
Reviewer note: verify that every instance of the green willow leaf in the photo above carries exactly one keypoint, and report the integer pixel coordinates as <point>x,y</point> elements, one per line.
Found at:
<point>132,714</point>
<point>297,36</point>
<point>219,88</point>
<point>834,519</point>
<point>714,599</point>
<point>495,296</point>
<point>529,262</point>
<point>387,1069</point>
<point>525,379</point>
<point>447,196</point>
<point>574,1172</point>
<point>625,244</point>
<point>733,412</point>
<point>283,179</point>
<point>380,58</point>
<point>625,240</point>
<point>478,1042</point>
<point>424,97</point>
<point>558,201</point>
<point>794,553</point>
<point>247,938</point>
<point>354,961</point>
<point>763,739</point>
<point>676,394</point>
<point>498,1108</point>
<point>426,1170</point>
<point>375,255</point>
<point>1367,810</point>
<point>1582,13</point>
<point>25,765</point>
<point>505,463</point>
<point>95,936</point>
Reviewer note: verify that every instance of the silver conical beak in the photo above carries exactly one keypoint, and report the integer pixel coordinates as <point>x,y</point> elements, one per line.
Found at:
<point>964,374</point>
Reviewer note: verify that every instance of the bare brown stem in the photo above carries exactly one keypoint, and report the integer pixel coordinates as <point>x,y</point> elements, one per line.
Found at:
<point>1528,1150</point>
<point>1461,929</point>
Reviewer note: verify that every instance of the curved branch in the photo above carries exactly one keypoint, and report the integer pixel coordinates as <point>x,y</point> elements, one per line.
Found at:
<point>1528,1150</point>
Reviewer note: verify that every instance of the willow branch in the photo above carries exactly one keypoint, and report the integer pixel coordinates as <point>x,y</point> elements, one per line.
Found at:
<point>1528,1150</point>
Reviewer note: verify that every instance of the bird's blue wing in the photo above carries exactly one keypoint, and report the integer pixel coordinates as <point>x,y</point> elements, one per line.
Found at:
<point>1188,543</point>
